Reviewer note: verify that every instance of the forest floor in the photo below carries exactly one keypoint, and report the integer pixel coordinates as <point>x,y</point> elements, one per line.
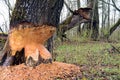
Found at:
<point>76,60</point>
<point>97,60</point>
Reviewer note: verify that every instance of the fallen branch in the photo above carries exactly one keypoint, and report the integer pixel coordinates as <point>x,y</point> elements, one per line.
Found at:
<point>115,48</point>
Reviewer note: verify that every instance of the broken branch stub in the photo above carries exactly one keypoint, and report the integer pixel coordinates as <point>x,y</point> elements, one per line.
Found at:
<point>32,39</point>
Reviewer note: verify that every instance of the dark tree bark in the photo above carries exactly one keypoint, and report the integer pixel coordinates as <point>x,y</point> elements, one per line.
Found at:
<point>37,11</point>
<point>95,20</point>
<point>32,23</point>
<point>93,27</point>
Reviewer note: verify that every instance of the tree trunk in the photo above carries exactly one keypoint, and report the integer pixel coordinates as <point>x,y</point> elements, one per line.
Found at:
<point>95,20</point>
<point>103,19</point>
<point>93,26</point>
<point>113,28</point>
<point>108,15</point>
<point>79,25</point>
<point>32,23</point>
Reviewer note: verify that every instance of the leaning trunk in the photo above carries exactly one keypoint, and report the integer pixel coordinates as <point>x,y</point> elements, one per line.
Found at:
<point>113,28</point>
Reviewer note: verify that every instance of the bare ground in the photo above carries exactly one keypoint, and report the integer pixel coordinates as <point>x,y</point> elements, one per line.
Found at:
<point>56,70</point>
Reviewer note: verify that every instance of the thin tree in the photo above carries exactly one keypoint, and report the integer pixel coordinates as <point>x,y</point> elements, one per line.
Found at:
<point>116,25</point>
<point>93,27</point>
<point>79,25</point>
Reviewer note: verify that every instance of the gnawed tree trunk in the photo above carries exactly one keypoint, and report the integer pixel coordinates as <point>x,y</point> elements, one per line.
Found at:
<point>32,23</point>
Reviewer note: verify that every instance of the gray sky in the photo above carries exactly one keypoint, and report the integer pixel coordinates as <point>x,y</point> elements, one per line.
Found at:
<point>4,14</point>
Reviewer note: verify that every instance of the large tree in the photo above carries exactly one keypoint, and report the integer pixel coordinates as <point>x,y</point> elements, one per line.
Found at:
<point>32,23</point>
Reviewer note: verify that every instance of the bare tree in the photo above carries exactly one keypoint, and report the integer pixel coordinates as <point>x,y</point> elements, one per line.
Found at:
<point>114,27</point>
<point>79,25</point>
<point>10,8</point>
<point>92,28</point>
<point>114,4</point>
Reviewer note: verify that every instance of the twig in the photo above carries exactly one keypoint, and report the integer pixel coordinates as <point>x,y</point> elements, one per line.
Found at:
<point>115,48</point>
<point>68,7</point>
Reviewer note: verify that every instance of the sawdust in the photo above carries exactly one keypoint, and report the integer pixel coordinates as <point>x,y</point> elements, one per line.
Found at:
<point>56,70</point>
